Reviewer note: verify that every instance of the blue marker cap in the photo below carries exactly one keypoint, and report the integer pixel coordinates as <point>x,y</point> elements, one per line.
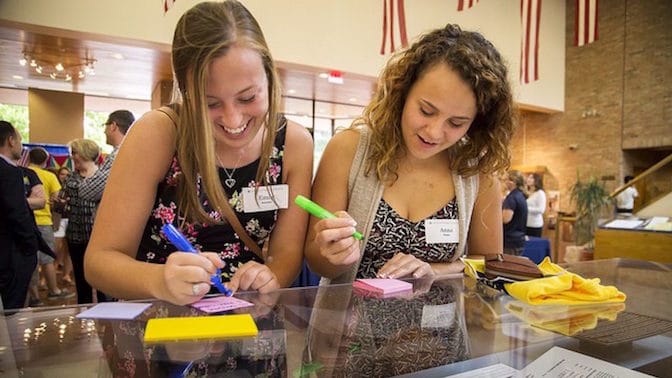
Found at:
<point>177,238</point>
<point>181,243</point>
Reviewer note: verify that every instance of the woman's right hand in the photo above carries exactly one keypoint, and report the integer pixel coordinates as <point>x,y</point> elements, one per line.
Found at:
<point>187,276</point>
<point>335,240</point>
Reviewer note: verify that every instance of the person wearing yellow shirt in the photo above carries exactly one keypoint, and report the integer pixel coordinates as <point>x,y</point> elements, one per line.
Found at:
<point>38,157</point>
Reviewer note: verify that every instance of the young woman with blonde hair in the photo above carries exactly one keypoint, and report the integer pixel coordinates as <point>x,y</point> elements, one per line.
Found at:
<point>222,143</point>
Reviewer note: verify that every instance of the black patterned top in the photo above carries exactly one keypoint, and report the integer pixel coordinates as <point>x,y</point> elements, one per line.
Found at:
<point>391,233</point>
<point>386,337</point>
<point>219,238</point>
<point>80,212</point>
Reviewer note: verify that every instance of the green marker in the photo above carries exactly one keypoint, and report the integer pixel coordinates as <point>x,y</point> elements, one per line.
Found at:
<point>319,211</point>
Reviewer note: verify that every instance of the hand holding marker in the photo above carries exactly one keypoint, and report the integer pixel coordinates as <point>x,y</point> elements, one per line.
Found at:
<point>319,211</point>
<point>182,244</point>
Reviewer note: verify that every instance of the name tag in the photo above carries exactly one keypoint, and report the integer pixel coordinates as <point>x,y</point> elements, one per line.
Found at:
<point>438,316</point>
<point>442,231</point>
<point>267,198</point>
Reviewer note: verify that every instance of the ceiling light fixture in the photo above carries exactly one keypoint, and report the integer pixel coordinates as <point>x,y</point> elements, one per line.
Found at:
<point>66,69</point>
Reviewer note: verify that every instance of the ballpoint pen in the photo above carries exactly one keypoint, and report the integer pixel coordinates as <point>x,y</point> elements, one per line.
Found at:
<point>319,211</point>
<point>182,244</point>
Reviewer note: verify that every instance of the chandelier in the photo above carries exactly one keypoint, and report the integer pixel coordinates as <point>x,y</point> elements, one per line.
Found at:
<point>59,69</point>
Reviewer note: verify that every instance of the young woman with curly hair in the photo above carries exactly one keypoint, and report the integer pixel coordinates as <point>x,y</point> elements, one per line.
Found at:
<point>416,172</point>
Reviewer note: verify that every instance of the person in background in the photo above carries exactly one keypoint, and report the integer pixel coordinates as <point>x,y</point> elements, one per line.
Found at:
<point>36,198</point>
<point>51,187</point>
<point>81,213</point>
<point>514,214</point>
<point>116,127</point>
<point>19,239</point>
<point>536,205</point>
<point>62,174</point>
<point>416,173</point>
<point>625,200</point>
<point>211,156</point>
<point>62,255</point>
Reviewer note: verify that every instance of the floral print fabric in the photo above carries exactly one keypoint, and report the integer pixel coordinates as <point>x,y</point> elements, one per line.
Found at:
<point>218,238</point>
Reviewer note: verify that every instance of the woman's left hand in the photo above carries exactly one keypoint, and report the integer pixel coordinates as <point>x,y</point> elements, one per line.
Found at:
<point>254,276</point>
<point>404,265</point>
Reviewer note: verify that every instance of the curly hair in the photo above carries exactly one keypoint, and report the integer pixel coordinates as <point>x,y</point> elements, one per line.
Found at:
<point>485,148</point>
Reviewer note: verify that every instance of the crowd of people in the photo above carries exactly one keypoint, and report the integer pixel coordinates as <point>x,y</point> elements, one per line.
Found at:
<point>416,174</point>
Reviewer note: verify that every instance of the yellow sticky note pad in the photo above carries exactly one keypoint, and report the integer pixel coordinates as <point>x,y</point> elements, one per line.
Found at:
<point>200,327</point>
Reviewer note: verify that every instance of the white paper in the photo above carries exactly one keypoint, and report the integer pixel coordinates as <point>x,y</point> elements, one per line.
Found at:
<point>114,310</point>
<point>624,223</point>
<point>557,363</point>
<point>657,220</point>
<point>562,363</point>
<point>494,371</point>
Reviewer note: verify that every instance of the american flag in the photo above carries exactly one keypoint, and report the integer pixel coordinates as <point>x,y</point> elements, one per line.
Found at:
<point>167,4</point>
<point>462,3</point>
<point>388,8</point>
<point>530,17</point>
<point>585,22</point>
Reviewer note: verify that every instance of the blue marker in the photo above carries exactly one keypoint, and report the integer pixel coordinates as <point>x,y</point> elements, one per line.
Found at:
<point>182,244</point>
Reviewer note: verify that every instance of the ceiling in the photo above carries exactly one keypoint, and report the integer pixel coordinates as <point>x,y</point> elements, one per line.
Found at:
<point>129,69</point>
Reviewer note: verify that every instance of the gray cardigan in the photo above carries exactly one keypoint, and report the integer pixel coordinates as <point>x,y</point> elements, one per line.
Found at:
<point>365,193</point>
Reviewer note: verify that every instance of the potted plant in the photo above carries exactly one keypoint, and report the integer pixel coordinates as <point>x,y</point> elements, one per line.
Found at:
<point>590,198</point>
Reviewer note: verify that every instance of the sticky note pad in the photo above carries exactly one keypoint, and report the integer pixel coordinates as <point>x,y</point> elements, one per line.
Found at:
<point>200,327</point>
<point>220,304</point>
<point>383,286</point>
<point>114,310</point>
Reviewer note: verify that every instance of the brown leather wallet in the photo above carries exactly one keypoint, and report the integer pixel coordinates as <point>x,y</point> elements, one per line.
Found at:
<point>517,268</point>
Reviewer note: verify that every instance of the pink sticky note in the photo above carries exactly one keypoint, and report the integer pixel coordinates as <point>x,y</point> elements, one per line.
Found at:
<point>383,286</point>
<point>220,304</point>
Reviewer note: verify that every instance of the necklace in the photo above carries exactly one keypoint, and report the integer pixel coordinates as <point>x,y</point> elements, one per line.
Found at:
<point>229,181</point>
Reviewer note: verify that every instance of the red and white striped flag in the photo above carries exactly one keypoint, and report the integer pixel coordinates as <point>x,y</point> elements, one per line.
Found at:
<point>530,17</point>
<point>462,3</point>
<point>167,4</point>
<point>586,22</point>
<point>403,37</point>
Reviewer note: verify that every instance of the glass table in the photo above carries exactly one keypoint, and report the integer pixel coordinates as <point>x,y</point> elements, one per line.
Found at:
<point>444,327</point>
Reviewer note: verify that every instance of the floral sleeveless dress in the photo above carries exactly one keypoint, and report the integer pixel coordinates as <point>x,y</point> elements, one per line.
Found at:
<point>392,233</point>
<point>219,238</point>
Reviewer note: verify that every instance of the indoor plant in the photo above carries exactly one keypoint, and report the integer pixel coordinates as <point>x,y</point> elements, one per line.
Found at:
<point>590,198</point>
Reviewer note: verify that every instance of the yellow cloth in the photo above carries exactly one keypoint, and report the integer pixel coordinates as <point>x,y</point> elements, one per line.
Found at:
<point>51,186</point>
<point>558,286</point>
<point>550,269</point>
<point>565,288</point>
<point>567,320</point>
<point>472,266</point>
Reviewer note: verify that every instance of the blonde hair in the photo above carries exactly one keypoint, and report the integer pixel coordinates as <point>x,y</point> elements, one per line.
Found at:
<point>485,146</point>
<point>87,149</point>
<point>204,33</point>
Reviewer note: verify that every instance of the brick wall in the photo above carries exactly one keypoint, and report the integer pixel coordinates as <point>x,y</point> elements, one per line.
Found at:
<point>618,96</point>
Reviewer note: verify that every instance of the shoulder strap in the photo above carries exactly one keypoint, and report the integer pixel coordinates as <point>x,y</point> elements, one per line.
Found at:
<point>227,211</point>
<point>170,112</point>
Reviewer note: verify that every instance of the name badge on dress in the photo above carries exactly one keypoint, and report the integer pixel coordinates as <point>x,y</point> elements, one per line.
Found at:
<point>442,231</point>
<point>267,198</point>
<point>438,316</point>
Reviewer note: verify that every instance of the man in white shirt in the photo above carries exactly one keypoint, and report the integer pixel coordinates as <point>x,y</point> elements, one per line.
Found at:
<point>625,200</point>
